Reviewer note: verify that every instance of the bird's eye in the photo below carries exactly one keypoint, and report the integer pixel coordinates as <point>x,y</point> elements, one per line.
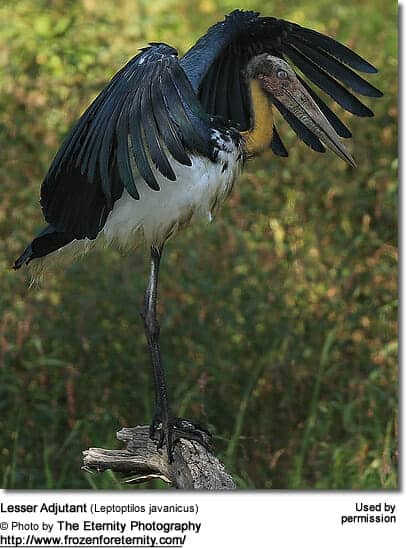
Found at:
<point>282,74</point>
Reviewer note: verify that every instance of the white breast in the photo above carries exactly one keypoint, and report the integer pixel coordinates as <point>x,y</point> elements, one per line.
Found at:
<point>196,194</point>
<point>158,215</point>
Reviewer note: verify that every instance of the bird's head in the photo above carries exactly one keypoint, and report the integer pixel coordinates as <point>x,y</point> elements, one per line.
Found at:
<point>279,83</point>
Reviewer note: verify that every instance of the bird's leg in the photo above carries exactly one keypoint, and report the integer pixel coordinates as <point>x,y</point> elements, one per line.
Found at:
<point>152,329</point>
<point>170,428</point>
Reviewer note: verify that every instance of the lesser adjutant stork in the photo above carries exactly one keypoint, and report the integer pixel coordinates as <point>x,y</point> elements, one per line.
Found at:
<point>164,142</point>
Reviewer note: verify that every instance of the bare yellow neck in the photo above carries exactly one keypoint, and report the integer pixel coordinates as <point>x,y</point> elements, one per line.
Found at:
<point>259,136</point>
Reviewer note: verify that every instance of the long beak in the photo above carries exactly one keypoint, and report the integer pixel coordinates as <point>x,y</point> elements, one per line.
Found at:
<point>296,99</point>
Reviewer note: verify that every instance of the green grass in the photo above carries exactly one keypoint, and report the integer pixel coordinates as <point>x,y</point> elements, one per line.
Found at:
<point>279,320</point>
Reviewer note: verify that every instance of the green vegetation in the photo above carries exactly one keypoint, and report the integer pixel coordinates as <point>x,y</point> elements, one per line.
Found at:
<point>279,320</point>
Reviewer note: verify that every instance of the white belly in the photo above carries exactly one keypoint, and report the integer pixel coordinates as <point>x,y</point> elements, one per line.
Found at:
<point>157,215</point>
<point>196,194</point>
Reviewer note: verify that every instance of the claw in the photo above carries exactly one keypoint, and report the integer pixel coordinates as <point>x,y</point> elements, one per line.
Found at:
<point>169,445</point>
<point>156,421</point>
<point>161,438</point>
<point>173,429</point>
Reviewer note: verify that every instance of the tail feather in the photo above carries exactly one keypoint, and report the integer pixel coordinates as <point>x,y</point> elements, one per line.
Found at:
<point>47,241</point>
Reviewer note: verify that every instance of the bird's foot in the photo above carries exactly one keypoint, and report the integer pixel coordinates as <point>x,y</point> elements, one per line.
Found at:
<point>167,431</point>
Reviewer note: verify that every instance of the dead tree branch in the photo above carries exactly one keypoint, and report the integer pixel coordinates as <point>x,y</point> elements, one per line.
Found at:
<point>193,468</point>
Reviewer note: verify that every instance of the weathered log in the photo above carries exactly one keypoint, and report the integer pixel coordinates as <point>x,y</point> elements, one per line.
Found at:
<point>193,467</point>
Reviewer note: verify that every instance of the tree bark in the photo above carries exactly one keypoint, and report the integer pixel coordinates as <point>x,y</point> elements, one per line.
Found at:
<point>194,467</point>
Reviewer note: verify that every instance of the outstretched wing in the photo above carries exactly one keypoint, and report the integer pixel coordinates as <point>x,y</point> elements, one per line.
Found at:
<point>215,67</point>
<point>146,113</point>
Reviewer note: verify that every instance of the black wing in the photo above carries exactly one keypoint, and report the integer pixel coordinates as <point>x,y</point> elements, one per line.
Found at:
<point>215,67</point>
<point>147,112</point>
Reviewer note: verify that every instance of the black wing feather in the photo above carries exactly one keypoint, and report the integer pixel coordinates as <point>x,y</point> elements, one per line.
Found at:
<point>322,60</point>
<point>233,92</point>
<point>137,140</point>
<point>338,50</point>
<point>300,129</point>
<point>244,93</point>
<point>153,137</point>
<point>123,155</point>
<point>277,146</point>
<point>213,87</point>
<point>194,126</point>
<point>168,131</point>
<point>107,160</point>
<point>223,86</point>
<point>341,129</point>
<point>325,82</point>
<point>147,114</point>
<point>327,62</point>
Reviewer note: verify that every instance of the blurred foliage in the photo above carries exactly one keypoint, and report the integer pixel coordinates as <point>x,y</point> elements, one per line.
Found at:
<point>279,319</point>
